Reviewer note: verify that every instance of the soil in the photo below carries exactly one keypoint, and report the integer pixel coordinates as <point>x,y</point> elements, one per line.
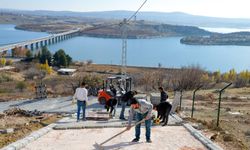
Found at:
<point>22,126</point>
<point>234,121</point>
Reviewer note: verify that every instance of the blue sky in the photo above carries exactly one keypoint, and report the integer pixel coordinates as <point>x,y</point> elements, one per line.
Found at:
<point>216,8</point>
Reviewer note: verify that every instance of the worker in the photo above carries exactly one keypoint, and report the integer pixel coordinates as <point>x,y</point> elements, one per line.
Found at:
<point>143,110</point>
<point>124,100</point>
<point>81,95</point>
<point>164,95</point>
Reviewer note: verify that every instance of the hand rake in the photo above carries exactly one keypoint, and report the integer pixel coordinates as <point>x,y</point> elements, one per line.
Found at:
<point>99,146</point>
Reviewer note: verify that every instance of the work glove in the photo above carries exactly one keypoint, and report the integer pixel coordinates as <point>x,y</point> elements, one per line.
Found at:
<point>128,127</point>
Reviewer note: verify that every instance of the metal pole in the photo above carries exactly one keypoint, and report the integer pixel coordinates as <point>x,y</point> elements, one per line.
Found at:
<point>218,114</point>
<point>180,100</point>
<point>192,114</point>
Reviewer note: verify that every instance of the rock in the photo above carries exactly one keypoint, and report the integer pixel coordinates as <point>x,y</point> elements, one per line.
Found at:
<point>214,136</point>
<point>10,130</point>
<point>242,98</point>
<point>247,133</point>
<point>228,137</point>
<point>6,131</point>
<point>228,109</point>
<point>2,115</point>
<point>198,126</point>
<point>35,121</point>
<point>247,121</point>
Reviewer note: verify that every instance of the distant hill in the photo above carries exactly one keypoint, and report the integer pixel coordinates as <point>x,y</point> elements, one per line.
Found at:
<point>174,18</point>
<point>237,38</point>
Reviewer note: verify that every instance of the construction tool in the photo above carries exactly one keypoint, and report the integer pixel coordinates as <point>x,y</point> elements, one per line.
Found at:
<point>99,146</point>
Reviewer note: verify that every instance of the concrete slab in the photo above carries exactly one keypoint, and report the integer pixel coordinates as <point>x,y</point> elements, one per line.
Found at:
<point>70,123</point>
<point>164,138</point>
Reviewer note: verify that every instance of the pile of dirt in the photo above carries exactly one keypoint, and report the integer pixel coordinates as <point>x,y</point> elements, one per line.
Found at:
<point>21,112</point>
<point>22,125</point>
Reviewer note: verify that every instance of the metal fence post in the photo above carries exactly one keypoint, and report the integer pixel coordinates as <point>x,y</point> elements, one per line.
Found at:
<point>180,100</point>
<point>218,114</point>
<point>192,114</point>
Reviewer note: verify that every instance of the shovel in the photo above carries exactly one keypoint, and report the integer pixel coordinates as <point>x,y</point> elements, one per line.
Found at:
<point>99,146</point>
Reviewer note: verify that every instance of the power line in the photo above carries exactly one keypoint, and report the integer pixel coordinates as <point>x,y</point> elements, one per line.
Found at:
<point>137,11</point>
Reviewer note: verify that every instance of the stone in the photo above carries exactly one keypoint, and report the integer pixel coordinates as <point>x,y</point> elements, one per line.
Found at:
<point>214,136</point>
<point>10,130</point>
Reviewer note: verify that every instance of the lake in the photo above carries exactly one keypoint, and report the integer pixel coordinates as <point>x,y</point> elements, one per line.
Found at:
<point>169,52</point>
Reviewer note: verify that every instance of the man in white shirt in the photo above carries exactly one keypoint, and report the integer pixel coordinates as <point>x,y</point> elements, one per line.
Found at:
<point>81,95</point>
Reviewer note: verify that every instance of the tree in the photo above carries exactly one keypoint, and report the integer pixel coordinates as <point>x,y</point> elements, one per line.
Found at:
<point>217,76</point>
<point>232,75</point>
<point>2,61</point>
<point>29,54</point>
<point>61,59</point>
<point>46,67</point>
<point>45,55</point>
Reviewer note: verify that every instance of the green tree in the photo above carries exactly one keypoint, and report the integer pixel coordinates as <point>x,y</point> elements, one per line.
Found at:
<point>45,55</point>
<point>61,59</point>
<point>29,54</point>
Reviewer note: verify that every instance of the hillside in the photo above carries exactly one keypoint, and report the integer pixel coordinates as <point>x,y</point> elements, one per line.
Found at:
<point>174,18</point>
<point>238,38</point>
<point>98,27</point>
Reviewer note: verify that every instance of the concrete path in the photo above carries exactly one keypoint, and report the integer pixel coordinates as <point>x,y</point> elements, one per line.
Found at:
<point>164,138</point>
<point>172,137</point>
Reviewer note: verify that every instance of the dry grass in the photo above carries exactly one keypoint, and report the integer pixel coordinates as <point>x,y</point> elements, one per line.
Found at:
<point>22,126</point>
<point>231,133</point>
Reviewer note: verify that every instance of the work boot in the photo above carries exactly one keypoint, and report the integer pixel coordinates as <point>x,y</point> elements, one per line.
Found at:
<point>149,141</point>
<point>123,119</point>
<point>135,140</point>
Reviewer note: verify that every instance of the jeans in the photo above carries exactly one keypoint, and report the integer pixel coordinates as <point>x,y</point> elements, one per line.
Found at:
<point>139,117</point>
<point>81,104</point>
<point>123,109</point>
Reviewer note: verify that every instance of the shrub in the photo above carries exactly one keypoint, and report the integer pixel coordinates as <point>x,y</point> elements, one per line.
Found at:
<point>5,78</point>
<point>31,73</point>
<point>2,61</point>
<point>21,85</point>
<point>9,62</point>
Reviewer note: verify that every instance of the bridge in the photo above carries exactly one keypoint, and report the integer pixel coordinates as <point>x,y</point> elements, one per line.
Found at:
<point>44,41</point>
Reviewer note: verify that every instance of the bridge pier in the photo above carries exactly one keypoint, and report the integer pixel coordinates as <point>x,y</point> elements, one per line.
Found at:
<point>45,42</point>
<point>41,43</point>
<point>32,46</point>
<point>49,41</point>
<point>26,46</point>
<point>37,45</point>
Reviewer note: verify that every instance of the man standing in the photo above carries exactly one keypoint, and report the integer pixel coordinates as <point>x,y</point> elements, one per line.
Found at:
<point>124,100</point>
<point>164,95</point>
<point>143,110</point>
<point>81,95</point>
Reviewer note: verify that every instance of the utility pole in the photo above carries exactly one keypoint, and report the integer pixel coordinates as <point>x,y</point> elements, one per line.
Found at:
<point>124,46</point>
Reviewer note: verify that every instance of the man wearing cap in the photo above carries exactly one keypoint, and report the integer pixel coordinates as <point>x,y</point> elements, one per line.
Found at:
<point>143,110</point>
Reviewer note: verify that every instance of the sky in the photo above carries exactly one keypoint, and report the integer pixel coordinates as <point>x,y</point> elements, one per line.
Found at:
<point>214,8</point>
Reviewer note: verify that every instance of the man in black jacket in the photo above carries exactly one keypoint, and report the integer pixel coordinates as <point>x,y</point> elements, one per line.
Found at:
<point>164,95</point>
<point>125,98</point>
